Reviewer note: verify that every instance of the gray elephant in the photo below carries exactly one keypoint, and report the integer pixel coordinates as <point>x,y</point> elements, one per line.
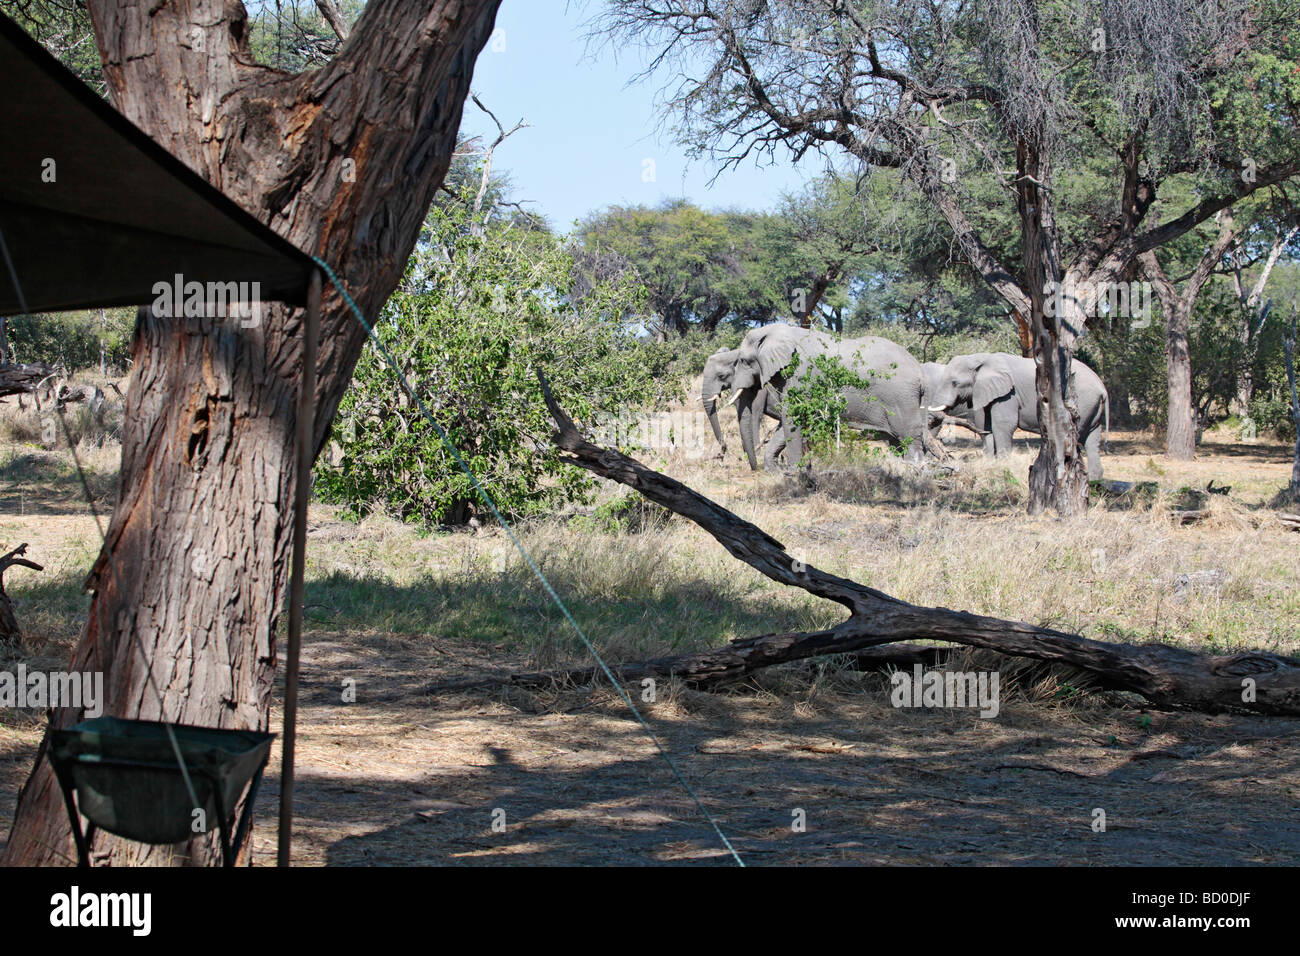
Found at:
<point>932,378</point>
<point>719,372</point>
<point>891,405</point>
<point>999,391</point>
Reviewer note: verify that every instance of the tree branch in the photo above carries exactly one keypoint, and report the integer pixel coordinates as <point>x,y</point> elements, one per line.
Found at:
<point>333,14</point>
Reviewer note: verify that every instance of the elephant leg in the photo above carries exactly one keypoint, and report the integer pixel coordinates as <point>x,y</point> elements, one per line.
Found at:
<point>1092,444</point>
<point>984,422</point>
<point>794,445</point>
<point>775,445</point>
<point>1003,420</point>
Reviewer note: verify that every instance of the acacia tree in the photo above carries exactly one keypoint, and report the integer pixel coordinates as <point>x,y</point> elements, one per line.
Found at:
<point>694,264</point>
<point>343,161</point>
<point>816,241</point>
<point>1225,241</point>
<point>1004,89</point>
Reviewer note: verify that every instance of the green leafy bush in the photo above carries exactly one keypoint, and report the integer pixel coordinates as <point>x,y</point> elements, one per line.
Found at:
<point>816,403</point>
<point>1271,412</point>
<point>485,303</point>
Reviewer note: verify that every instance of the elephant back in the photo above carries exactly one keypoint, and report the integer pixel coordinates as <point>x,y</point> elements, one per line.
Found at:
<point>873,351</point>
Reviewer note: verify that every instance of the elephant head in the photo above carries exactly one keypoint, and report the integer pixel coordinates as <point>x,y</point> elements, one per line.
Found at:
<point>719,371</point>
<point>763,356</point>
<point>977,380</point>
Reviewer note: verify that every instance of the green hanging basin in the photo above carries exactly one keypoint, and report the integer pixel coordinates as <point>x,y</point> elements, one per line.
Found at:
<point>128,782</point>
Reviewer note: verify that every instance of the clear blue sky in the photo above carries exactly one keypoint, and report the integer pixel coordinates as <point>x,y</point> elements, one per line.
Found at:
<point>590,132</point>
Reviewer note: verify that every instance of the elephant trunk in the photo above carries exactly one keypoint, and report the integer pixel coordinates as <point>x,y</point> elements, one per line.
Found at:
<point>750,411</point>
<point>711,411</point>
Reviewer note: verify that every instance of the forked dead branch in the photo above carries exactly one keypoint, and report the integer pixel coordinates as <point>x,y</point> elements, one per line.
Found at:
<point>10,634</point>
<point>1167,676</point>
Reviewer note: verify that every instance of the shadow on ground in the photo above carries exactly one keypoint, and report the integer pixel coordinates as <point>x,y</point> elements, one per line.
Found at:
<point>396,778</point>
<point>510,610</point>
<point>39,483</point>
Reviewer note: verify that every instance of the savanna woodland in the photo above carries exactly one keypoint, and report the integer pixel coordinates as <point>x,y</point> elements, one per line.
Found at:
<point>987,390</point>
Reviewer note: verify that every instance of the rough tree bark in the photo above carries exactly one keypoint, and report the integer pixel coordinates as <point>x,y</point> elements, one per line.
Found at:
<point>1168,676</point>
<point>1058,477</point>
<point>1180,435</point>
<point>343,161</point>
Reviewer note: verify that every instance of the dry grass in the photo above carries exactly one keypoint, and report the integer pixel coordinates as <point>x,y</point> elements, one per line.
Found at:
<point>25,424</point>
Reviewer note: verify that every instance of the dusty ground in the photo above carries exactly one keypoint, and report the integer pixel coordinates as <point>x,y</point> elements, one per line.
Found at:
<point>405,777</point>
<point>403,784</point>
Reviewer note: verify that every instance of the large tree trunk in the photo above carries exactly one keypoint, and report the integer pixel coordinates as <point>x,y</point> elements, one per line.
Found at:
<point>343,162</point>
<point>1058,478</point>
<point>1180,433</point>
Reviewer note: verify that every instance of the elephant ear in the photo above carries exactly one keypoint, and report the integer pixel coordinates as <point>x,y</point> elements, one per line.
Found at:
<point>992,381</point>
<point>774,354</point>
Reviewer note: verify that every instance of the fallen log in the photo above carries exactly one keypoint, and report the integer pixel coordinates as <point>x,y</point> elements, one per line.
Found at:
<point>1167,676</point>
<point>715,666</point>
<point>21,379</point>
<point>900,657</point>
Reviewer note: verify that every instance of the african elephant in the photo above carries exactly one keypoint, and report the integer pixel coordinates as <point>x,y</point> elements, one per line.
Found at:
<point>932,377</point>
<point>719,371</point>
<point>999,390</point>
<point>890,406</point>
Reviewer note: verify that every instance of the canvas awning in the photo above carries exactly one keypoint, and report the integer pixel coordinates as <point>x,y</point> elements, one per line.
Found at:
<point>114,213</point>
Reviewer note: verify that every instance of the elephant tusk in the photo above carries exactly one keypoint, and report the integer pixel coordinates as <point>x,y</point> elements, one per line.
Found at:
<point>710,398</point>
<point>936,408</point>
<point>731,401</point>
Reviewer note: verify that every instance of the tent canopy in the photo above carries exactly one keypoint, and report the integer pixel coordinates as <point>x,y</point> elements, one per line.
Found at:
<point>94,213</point>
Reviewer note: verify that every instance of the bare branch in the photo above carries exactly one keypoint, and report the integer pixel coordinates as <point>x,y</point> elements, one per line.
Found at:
<point>333,14</point>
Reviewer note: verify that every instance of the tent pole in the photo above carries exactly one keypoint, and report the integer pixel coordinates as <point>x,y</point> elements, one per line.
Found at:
<point>302,494</point>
